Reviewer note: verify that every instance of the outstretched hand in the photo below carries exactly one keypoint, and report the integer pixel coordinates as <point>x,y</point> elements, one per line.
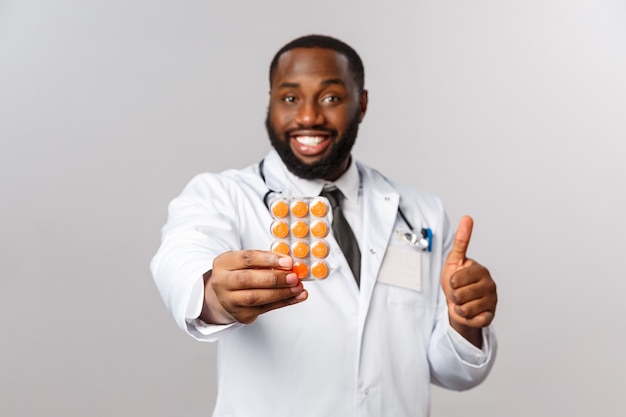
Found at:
<point>469,289</point>
<point>244,284</point>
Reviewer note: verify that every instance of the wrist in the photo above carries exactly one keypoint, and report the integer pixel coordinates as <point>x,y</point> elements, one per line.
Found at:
<point>473,335</point>
<point>212,310</point>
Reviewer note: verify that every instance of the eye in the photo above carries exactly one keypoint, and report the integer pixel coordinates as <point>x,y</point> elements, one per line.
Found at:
<point>331,99</point>
<point>289,99</point>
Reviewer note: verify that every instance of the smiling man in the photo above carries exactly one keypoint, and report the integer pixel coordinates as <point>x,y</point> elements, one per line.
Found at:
<point>316,105</point>
<point>403,306</point>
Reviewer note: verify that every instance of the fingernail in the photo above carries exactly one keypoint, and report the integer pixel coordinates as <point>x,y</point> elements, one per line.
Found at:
<point>292,279</point>
<point>302,296</point>
<point>297,289</point>
<point>284,261</point>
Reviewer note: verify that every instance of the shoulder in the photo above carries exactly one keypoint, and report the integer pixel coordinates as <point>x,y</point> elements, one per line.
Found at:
<point>223,189</point>
<point>231,179</point>
<point>409,194</point>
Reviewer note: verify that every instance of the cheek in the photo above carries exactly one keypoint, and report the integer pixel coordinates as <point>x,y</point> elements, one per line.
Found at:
<point>280,118</point>
<point>338,120</point>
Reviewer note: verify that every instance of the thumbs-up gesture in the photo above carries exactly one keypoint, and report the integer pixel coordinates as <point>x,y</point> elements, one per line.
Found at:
<point>469,289</point>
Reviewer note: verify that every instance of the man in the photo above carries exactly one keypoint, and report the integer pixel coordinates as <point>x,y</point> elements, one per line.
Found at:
<point>371,338</point>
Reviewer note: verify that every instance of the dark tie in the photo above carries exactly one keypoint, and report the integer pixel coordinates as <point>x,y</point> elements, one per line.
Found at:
<point>343,233</point>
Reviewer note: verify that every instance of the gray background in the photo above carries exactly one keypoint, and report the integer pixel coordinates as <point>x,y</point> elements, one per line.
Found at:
<point>512,111</point>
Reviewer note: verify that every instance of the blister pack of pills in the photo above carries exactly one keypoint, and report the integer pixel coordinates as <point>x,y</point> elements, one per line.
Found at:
<point>299,227</point>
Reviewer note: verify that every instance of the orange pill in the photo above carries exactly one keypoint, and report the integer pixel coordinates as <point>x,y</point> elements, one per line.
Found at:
<point>319,249</point>
<point>319,208</point>
<point>299,208</point>
<point>280,229</point>
<point>300,249</point>
<point>319,228</point>
<point>319,270</point>
<point>299,229</point>
<point>301,269</point>
<point>280,208</point>
<point>280,247</point>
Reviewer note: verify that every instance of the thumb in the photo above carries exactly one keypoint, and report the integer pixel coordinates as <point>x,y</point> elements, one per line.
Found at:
<point>462,237</point>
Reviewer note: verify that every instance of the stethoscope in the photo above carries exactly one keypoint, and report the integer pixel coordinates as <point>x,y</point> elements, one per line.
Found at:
<point>423,241</point>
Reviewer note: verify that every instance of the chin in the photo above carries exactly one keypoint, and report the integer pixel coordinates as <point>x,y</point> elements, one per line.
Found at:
<point>310,160</point>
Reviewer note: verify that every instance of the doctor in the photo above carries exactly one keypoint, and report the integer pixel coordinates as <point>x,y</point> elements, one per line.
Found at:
<point>364,345</point>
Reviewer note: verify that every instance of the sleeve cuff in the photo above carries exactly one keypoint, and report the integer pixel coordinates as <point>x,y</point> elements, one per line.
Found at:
<point>197,328</point>
<point>469,353</point>
<point>204,332</point>
<point>196,298</point>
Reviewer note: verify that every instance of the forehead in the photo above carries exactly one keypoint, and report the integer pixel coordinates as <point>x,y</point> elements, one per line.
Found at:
<point>311,64</point>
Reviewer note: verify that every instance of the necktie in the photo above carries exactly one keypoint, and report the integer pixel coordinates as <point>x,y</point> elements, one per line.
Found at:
<point>343,233</point>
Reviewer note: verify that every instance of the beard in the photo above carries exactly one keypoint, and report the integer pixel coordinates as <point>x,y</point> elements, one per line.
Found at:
<point>326,168</point>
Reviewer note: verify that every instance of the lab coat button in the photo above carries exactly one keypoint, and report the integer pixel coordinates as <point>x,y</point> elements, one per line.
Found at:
<point>372,251</point>
<point>366,392</point>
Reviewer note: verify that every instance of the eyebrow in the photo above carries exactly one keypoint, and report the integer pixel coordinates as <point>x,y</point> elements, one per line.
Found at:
<point>332,81</point>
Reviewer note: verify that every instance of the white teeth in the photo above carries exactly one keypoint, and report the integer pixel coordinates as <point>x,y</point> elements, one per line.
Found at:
<point>310,140</point>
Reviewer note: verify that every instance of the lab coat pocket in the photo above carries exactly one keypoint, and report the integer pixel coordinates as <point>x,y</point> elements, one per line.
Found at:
<point>404,271</point>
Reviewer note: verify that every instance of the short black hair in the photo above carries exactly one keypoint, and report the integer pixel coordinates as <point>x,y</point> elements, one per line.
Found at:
<point>325,42</point>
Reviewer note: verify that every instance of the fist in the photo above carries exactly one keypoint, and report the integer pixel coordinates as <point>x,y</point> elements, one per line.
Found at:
<point>469,289</point>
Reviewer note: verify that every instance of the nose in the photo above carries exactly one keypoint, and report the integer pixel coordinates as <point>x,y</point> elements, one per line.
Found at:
<point>309,114</point>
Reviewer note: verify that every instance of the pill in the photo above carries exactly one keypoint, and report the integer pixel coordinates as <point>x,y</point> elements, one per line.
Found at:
<point>300,249</point>
<point>299,229</point>
<point>299,208</point>
<point>319,249</point>
<point>280,229</point>
<point>319,228</point>
<point>280,208</point>
<point>319,269</point>
<point>319,208</point>
<point>301,269</point>
<point>280,247</point>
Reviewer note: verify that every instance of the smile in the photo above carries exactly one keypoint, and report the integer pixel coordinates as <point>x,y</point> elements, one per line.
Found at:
<point>310,140</point>
<point>310,144</point>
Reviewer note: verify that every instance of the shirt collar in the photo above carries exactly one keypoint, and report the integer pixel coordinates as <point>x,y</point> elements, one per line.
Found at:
<point>349,183</point>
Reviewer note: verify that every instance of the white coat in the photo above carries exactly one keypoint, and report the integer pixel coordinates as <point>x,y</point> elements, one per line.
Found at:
<point>345,351</point>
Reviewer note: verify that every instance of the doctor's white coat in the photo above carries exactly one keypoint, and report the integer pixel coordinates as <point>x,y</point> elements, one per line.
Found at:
<point>343,352</point>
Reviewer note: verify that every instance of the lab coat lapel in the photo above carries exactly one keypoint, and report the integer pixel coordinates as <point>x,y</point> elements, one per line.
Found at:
<point>380,210</point>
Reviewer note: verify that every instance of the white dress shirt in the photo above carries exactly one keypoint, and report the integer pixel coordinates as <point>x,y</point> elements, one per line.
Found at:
<point>345,351</point>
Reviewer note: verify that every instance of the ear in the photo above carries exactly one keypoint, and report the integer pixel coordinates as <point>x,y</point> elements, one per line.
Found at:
<point>362,105</point>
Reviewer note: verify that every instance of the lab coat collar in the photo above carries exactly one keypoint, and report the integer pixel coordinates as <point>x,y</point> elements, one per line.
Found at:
<point>279,178</point>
